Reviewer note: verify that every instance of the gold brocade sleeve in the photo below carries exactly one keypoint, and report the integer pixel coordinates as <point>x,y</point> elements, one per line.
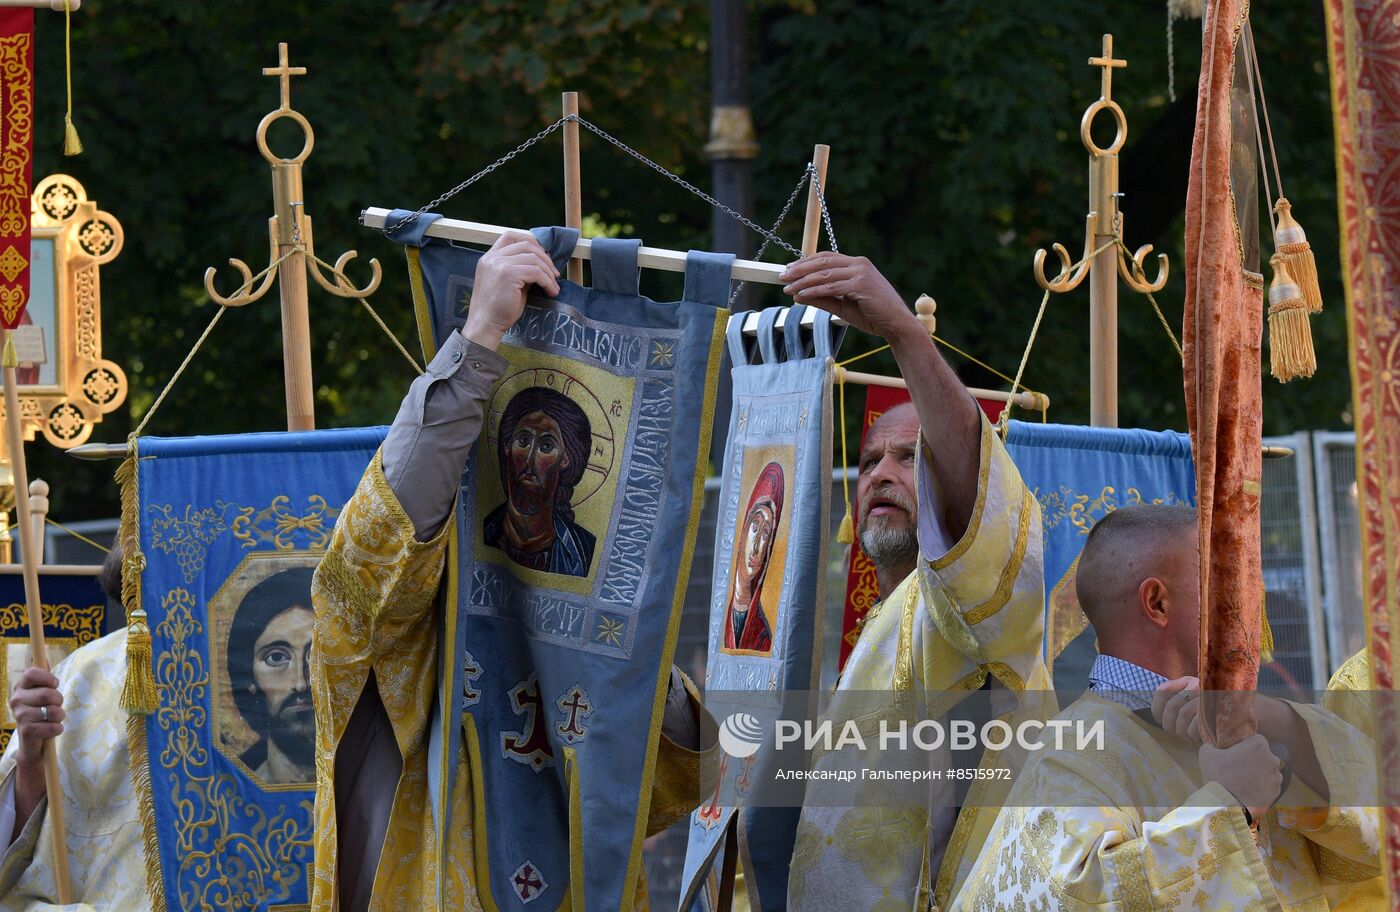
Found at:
<point>373,596</point>
<point>1068,841</point>
<point>1345,840</point>
<point>683,775</point>
<point>986,593</point>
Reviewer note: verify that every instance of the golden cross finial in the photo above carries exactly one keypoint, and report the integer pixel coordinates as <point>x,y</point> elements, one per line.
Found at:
<point>1107,61</point>
<point>285,73</point>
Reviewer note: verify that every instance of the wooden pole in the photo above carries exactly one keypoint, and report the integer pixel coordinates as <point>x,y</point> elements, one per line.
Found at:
<point>288,205</point>
<point>1103,295</point>
<point>812,228</point>
<point>15,433</point>
<point>39,511</point>
<point>573,181</point>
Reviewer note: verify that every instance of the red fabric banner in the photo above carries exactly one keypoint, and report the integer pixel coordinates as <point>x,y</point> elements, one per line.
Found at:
<point>1224,326</point>
<point>16,159</point>
<point>862,590</point>
<point>1364,50</point>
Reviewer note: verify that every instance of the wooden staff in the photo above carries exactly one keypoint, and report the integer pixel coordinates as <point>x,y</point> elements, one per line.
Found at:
<point>29,555</point>
<point>812,227</point>
<point>573,181</point>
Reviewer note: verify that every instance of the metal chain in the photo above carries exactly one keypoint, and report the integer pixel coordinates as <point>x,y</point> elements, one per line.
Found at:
<point>768,236</point>
<point>826,214</point>
<point>410,219</point>
<point>801,182</point>
<point>676,178</point>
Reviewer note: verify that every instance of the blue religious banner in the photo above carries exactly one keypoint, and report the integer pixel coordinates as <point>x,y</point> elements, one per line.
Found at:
<point>75,613</point>
<point>1079,474</point>
<point>223,535</point>
<point>767,596</point>
<point>572,545</point>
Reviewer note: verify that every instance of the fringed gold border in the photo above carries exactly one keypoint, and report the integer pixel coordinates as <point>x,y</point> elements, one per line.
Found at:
<point>133,563</point>
<point>139,690</point>
<point>141,782</point>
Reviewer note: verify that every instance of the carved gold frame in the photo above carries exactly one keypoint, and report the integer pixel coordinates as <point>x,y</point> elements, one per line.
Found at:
<point>87,385</point>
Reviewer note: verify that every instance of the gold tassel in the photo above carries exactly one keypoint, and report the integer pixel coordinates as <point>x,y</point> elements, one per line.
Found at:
<point>1290,337</point>
<point>1292,242</point>
<point>139,692</point>
<point>72,145</point>
<point>139,696</point>
<point>846,533</point>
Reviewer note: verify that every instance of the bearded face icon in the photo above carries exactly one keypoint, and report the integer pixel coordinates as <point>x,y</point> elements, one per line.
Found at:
<point>542,450</point>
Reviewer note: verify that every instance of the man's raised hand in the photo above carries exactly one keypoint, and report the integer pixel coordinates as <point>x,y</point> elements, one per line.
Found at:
<point>504,275</point>
<point>852,289</point>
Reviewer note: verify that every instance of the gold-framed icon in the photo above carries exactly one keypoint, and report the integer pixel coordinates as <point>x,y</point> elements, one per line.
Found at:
<point>66,386</point>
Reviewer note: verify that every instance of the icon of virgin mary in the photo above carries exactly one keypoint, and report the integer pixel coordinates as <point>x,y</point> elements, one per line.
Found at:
<point>745,624</point>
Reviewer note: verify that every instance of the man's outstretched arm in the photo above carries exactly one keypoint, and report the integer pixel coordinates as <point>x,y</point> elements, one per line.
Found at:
<point>854,290</point>
<point>441,416</point>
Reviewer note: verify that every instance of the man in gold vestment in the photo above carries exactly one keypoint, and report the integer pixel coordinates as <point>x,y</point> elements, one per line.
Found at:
<point>1150,817</point>
<point>376,643</point>
<point>956,539</point>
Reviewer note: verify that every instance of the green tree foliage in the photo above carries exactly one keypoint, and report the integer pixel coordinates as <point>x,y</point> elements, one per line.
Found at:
<point>955,155</point>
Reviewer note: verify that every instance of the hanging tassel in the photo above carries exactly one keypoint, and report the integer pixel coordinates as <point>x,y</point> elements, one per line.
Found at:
<point>139,696</point>
<point>1290,337</point>
<point>846,534</point>
<point>1291,241</point>
<point>139,692</point>
<point>72,145</point>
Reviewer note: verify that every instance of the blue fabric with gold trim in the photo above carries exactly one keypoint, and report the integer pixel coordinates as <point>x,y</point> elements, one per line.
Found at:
<point>575,530</point>
<point>75,613</point>
<point>770,553</point>
<point>1079,474</point>
<point>231,529</point>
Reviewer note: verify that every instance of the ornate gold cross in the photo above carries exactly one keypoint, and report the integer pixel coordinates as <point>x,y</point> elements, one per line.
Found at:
<point>1107,61</point>
<point>285,73</point>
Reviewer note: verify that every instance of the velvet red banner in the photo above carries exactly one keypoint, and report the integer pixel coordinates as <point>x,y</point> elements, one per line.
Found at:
<point>862,590</point>
<point>16,159</point>
<point>1364,51</point>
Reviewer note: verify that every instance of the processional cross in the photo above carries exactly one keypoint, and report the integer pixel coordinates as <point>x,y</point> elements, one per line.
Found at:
<point>292,254</point>
<point>1104,252</point>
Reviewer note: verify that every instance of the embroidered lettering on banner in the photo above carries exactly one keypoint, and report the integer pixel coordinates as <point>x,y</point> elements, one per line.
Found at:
<point>530,745</point>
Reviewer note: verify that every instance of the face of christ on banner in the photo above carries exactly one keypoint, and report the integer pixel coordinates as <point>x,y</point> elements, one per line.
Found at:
<point>542,449</point>
<point>746,625</point>
<point>269,669</point>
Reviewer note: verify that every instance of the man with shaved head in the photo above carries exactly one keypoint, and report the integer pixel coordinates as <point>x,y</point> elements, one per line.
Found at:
<point>955,537</point>
<point>1150,816</point>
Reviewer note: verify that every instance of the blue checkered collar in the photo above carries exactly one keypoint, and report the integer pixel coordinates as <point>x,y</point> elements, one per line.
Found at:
<point>1123,682</point>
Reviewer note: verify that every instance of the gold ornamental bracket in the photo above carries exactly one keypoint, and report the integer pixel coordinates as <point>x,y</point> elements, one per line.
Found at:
<point>66,386</point>
<point>291,254</point>
<point>1105,257</point>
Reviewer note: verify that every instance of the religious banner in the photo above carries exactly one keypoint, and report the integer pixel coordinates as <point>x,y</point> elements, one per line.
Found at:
<point>75,614</point>
<point>767,591</point>
<point>229,530</point>
<point>560,642</point>
<point>16,159</point>
<point>1364,47</point>
<point>1222,345</point>
<point>1080,474</point>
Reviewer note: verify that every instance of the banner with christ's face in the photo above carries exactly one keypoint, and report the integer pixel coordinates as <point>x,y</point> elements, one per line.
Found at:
<point>574,532</point>
<point>225,533</point>
<point>769,571</point>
